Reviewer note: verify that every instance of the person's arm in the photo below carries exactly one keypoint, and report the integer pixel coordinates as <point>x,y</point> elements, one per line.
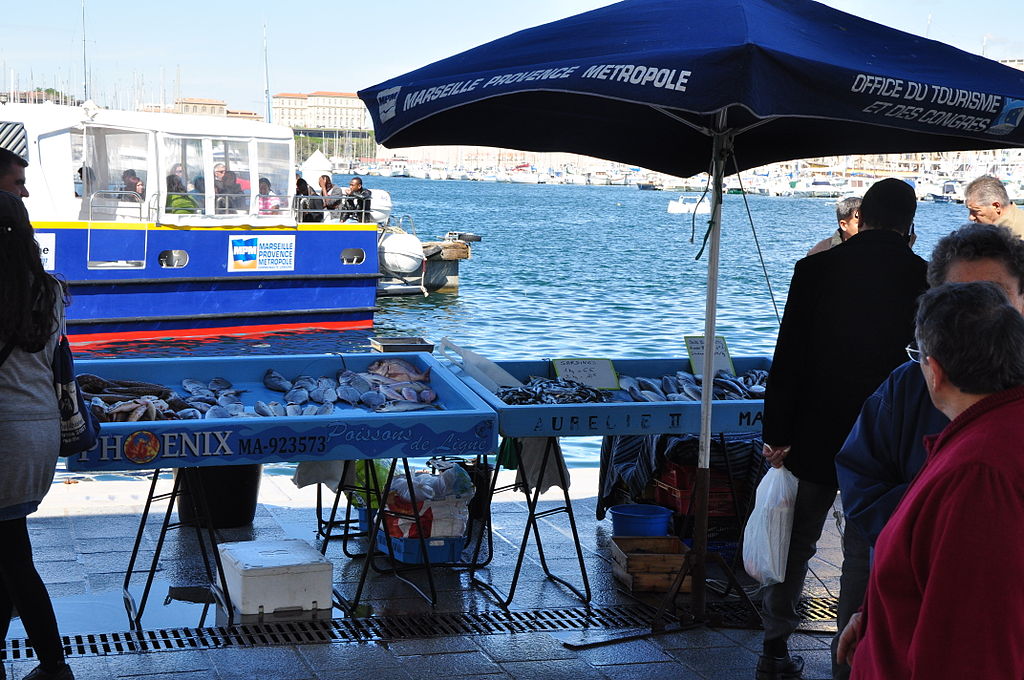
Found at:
<point>867,466</point>
<point>784,377</point>
<point>968,557</point>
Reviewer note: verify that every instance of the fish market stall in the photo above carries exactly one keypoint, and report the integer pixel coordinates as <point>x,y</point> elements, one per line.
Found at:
<point>194,413</point>
<point>653,396</point>
<point>455,422</point>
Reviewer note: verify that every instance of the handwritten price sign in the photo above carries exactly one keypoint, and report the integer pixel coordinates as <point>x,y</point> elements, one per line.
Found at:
<point>597,373</point>
<point>695,348</point>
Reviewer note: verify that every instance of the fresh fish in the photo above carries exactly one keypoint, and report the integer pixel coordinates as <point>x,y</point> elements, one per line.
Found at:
<point>353,380</point>
<point>625,382</point>
<point>409,394</point>
<point>427,396</point>
<point>348,394</point>
<point>217,412</point>
<point>310,410</point>
<point>189,414</point>
<point>193,386</point>
<point>324,395</point>
<point>200,406</point>
<point>636,393</point>
<point>414,384</point>
<point>262,409</point>
<point>235,409</point>
<point>377,380</point>
<point>293,410</point>
<point>277,409</point>
<point>306,382</point>
<point>326,382</point>
<point>669,385</point>
<point>553,391</point>
<point>220,384</point>
<point>679,396</point>
<point>650,395</point>
<point>325,409</point>
<point>297,395</point>
<point>690,389</point>
<point>389,393</point>
<point>273,380</point>
<point>398,369</point>
<point>204,395</point>
<point>372,398</point>
<point>620,395</point>
<point>756,391</point>
<point>402,406</point>
<point>650,385</point>
<point>228,398</point>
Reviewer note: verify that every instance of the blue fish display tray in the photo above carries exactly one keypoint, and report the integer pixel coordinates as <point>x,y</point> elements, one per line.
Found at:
<point>464,425</point>
<point>581,420</point>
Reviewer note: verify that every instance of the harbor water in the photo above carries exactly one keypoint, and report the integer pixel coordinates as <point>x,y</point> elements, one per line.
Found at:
<point>574,271</point>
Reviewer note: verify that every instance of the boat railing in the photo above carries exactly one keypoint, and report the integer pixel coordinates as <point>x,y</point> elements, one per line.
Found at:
<point>117,205</point>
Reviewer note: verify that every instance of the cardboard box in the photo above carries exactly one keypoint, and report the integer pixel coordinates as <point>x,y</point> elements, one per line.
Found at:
<point>268,576</point>
<point>648,563</point>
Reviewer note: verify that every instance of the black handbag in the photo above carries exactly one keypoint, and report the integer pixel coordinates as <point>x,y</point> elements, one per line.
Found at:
<point>79,429</point>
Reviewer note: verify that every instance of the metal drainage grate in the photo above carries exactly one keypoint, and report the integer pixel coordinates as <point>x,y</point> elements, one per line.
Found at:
<point>343,630</point>
<point>736,614</point>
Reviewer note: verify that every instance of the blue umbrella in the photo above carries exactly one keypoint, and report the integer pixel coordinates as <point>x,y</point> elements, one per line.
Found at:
<point>681,86</point>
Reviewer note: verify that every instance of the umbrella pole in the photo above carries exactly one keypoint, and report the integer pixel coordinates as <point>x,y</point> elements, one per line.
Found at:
<point>722,148</point>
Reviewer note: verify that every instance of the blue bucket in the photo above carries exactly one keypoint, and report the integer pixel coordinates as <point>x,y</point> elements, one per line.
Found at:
<point>639,519</point>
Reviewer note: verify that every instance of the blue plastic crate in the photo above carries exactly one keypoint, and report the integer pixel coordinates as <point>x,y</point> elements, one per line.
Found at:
<point>407,550</point>
<point>364,519</point>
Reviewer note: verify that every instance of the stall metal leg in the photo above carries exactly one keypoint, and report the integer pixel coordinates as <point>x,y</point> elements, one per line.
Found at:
<point>197,496</point>
<point>325,526</point>
<point>532,499</point>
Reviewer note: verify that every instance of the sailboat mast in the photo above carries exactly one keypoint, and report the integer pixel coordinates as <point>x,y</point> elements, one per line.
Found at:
<point>266,73</point>
<point>85,66</point>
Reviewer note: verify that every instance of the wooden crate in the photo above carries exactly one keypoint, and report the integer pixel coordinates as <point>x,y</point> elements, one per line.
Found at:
<point>648,563</point>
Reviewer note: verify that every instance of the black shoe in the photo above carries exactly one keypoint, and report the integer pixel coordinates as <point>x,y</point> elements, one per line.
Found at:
<point>38,673</point>
<point>777,667</point>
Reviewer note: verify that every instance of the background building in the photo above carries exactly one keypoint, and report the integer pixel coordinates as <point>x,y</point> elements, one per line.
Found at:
<point>337,123</point>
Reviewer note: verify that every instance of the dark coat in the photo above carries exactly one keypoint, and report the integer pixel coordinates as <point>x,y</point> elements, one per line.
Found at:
<point>849,316</point>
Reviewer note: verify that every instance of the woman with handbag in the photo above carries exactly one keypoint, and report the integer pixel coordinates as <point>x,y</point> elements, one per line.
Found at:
<point>30,430</point>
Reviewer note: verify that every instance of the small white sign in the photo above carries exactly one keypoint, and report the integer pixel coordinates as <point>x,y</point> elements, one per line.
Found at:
<point>695,348</point>
<point>597,373</point>
<point>47,250</point>
<point>248,253</point>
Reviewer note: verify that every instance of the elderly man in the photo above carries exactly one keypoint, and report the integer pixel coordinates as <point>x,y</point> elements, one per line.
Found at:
<point>812,399</point>
<point>945,598</point>
<point>988,203</point>
<point>12,173</point>
<point>848,217</point>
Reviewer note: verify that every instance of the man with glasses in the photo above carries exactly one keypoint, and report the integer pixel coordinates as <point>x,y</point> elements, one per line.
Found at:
<point>988,203</point>
<point>885,449</point>
<point>945,598</point>
<point>858,296</point>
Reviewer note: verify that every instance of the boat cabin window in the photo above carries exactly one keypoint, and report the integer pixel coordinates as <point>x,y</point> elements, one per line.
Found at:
<point>173,259</point>
<point>118,163</point>
<point>233,184</point>
<point>184,185</point>
<point>275,166</point>
<point>353,256</point>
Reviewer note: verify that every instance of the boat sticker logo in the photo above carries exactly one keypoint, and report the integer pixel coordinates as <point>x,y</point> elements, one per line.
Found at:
<point>387,103</point>
<point>141,447</point>
<point>47,249</point>
<point>261,253</point>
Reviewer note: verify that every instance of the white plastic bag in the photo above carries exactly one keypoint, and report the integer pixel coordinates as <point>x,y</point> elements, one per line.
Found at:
<point>483,370</point>
<point>766,537</point>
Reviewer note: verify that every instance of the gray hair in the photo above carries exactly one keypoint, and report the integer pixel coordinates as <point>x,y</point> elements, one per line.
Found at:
<point>975,241</point>
<point>987,189</point>
<point>846,207</point>
<point>975,334</point>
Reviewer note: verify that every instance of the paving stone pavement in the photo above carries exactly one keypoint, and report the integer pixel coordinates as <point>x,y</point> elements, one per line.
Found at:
<point>83,535</point>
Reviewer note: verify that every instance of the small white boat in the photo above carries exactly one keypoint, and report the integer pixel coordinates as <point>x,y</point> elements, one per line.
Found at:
<point>686,205</point>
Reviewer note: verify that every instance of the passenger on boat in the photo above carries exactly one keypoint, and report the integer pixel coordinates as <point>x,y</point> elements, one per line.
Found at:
<point>987,202</point>
<point>178,201</point>
<point>848,216</point>
<point>179,170</point>
<point>232,198</point>
<point>30,329</point>
<point>327,188</point>
<point>862,295</point>
<point>133,183</point>
<point>358,203</point>
<point>885,449</point>
<point>308,206</point>
<point>945,600</point>
<point>12,173</point>
<point>269,203</point>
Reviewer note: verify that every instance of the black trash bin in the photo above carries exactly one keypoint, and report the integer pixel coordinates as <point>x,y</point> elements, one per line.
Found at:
<point>231,494</point>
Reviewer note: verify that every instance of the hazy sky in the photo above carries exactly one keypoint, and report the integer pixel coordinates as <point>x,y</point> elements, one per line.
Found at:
<point>136,50</point>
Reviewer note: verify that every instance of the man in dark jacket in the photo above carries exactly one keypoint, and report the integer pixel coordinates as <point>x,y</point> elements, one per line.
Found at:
<point>859,297</point>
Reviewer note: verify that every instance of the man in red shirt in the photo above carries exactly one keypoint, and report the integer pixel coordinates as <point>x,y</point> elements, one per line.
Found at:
<point>945,599</point>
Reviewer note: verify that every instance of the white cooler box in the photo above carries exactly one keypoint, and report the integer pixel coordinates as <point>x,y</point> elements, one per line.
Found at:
<point>270,576</point>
